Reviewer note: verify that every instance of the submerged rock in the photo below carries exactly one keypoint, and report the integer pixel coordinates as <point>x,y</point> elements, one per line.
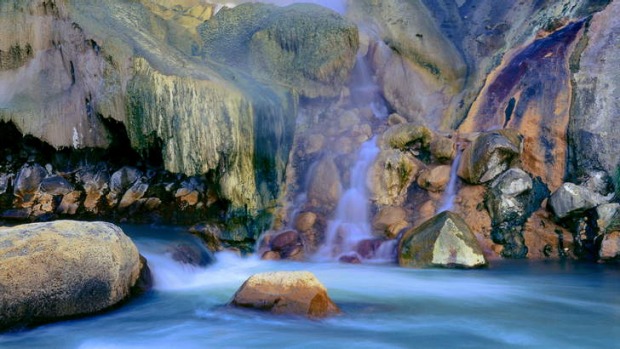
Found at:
<point>50,271</point>
<point>489,155</point>
<point>443,241</point>
<point>286,292</point>
<point>191,254</point>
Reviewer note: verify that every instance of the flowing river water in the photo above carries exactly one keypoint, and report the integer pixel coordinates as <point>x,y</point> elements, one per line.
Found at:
<point>512,304</point>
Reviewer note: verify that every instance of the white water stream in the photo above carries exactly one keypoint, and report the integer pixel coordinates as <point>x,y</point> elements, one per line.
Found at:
<point>351,223</point>
<point>450,193</point>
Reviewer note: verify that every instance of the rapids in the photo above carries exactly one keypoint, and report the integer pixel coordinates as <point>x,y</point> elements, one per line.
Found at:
<point>513,304</point>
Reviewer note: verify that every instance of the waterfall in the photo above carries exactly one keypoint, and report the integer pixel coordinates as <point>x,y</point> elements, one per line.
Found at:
<point>450,193</point>
<point>351,223</point>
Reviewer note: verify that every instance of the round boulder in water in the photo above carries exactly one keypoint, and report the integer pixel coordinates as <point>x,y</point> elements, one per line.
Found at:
<point>50,271</point>
<point>286,292</point>
<point>443,241</point>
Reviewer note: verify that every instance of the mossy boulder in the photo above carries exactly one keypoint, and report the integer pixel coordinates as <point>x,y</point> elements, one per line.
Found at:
<point>406,136</point>
<point>443,241</point>
<point>306,47</point>
<point>390,176</point>
<point>50,271</point>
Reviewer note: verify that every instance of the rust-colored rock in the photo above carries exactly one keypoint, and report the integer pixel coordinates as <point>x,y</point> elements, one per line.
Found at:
<point>470,205</point>
<point>435,178</point>
<point>305,221</point>
<point>531,92</point>
<point>545,239</point>
<point>389,221</point>
<point>286,292</point>
<point>610,247</point>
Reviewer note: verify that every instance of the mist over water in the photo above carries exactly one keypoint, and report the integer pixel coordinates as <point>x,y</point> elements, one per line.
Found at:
<point>511,305</point>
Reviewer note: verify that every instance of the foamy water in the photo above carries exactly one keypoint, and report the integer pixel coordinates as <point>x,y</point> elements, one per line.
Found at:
<point>510,305</point>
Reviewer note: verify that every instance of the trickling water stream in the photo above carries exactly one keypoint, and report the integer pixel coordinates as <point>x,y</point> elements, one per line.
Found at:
<point>514,304</point>
<point>351,223</point>
<point>450,193</point>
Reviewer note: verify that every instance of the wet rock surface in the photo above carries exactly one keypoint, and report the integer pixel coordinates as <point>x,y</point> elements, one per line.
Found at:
<point>51,271</point>
<point>286,293</point>
<point>443,241</point>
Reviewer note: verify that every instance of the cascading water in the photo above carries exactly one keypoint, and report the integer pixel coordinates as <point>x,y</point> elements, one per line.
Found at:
<point>450,193</point>
<point>351,224</point>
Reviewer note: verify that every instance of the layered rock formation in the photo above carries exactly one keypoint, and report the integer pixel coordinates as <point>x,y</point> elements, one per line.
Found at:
<point>86,69</point>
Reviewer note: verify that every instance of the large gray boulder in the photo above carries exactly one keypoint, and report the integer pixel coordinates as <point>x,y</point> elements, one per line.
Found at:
<point>51,271</point>
<point>608,217</point>
<point>572,199</point>
<point>504,195</point>
<point>443,241</point>
<point>286,292</point>
<point>28,180</point>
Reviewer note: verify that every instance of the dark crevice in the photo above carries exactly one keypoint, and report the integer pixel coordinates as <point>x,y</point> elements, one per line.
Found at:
<point>509,109</point>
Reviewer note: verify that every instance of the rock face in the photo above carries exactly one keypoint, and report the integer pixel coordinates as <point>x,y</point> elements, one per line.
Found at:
<point>516,98</point>
<point>443,241</point>
<point>571,198</point>
<point>307,47</point>
<point>51,271</point>
<point>291,293</point>
<point>90,71</point>
<point>412,52</point>
<point>594,113</point>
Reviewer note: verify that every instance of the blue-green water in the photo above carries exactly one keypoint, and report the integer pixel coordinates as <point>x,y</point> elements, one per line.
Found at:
<point>516,304</point>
